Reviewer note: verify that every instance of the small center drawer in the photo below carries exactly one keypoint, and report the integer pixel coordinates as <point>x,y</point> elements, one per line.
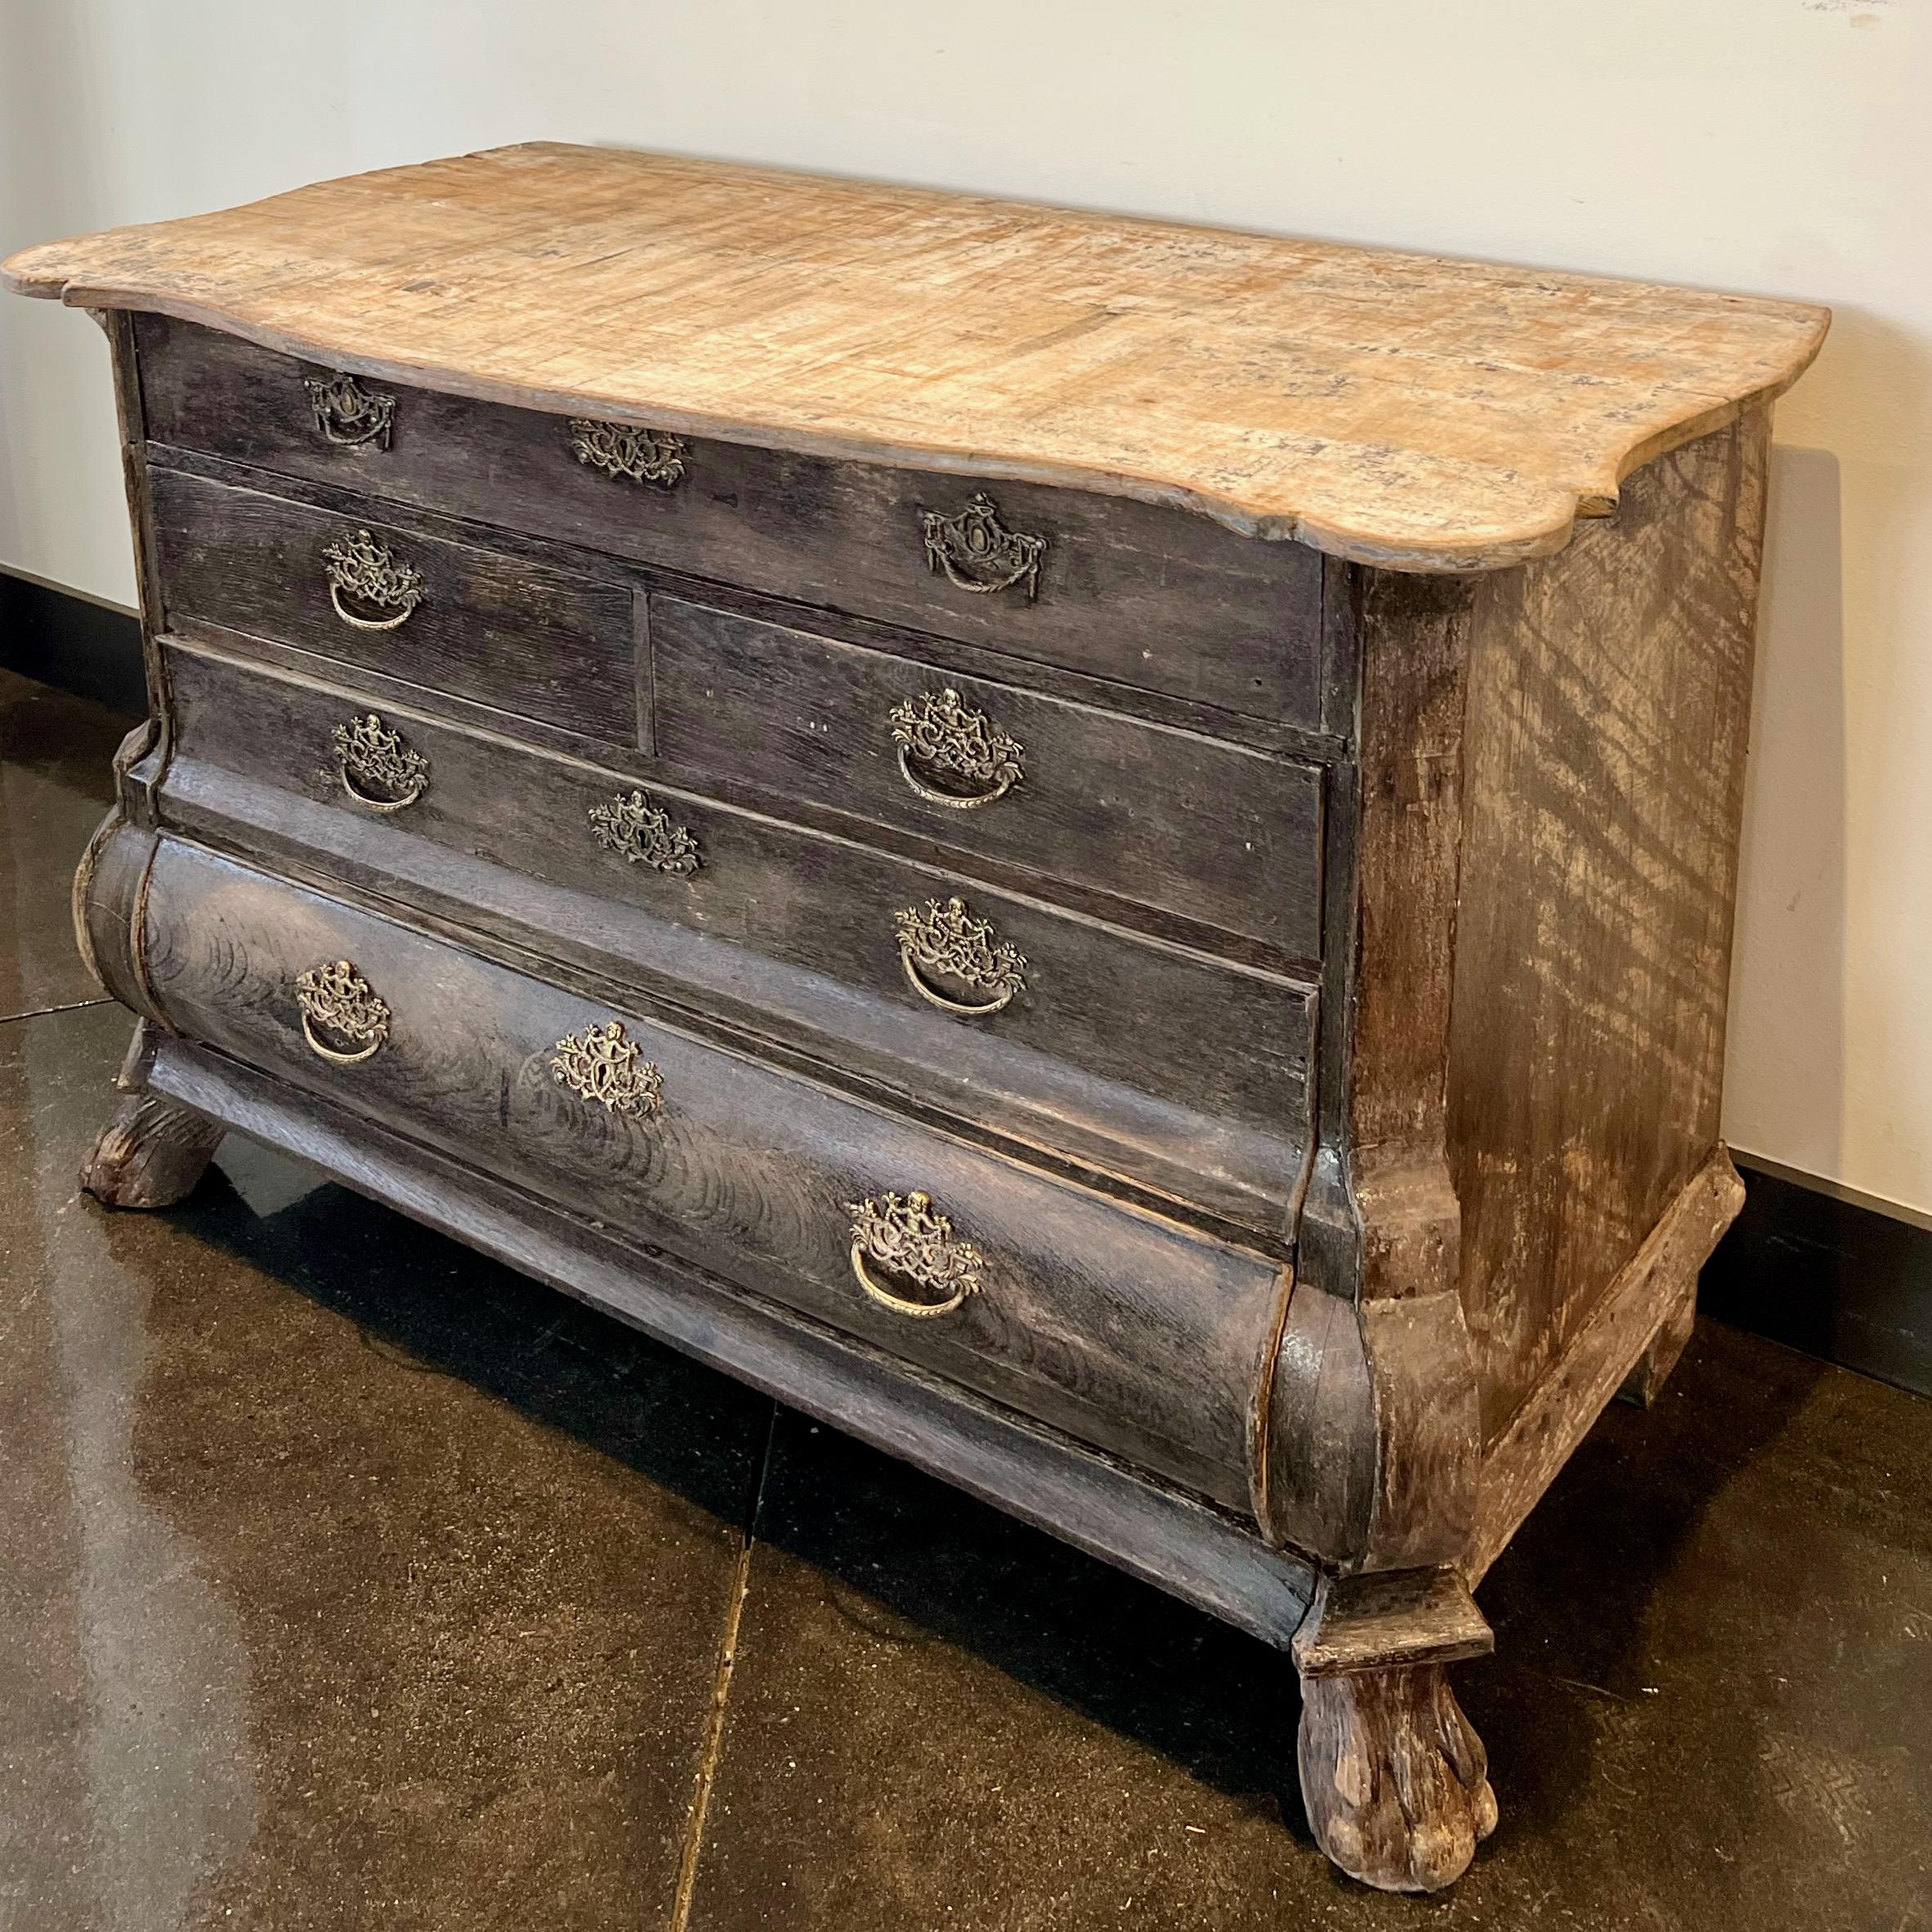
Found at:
<point>522,637</point>
<point>1221,836</point>
<point>1113,1325</point>
<point>1162,598</point>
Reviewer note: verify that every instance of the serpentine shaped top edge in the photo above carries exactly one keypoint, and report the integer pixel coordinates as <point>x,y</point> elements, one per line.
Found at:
<point>1406,410</point>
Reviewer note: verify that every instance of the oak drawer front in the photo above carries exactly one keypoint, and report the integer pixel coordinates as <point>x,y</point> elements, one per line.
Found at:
<point>1224,837</point>
<point>1148,1061</point>
<point>1114,1325</point>
<point>522,637</point>
<point>1164,599</point>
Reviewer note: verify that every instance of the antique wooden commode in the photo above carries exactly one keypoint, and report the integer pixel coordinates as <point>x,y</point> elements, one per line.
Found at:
<point>1043,834</point>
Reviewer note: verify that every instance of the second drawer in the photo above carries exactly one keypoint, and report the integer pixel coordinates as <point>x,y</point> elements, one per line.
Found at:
<point>1170,1070</point>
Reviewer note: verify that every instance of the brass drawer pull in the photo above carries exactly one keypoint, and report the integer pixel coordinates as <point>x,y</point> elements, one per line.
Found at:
<point>645,834</point>
<point>360,568</point>
<point>938,732</point>
<point>944,938</point>
<point>911,1238</point>
<point>336,998</point>
<point>604,1066</point>
<point>378,769</point>
<point>978,553</point>
<point>621,450</point>
<point>347,414</point>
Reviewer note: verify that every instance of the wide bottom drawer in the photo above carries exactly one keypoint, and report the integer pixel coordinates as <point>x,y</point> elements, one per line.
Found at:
<point>1122,1328</point>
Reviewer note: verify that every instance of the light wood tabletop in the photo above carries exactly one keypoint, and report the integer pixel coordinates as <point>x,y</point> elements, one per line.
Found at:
<point>1398,408</point>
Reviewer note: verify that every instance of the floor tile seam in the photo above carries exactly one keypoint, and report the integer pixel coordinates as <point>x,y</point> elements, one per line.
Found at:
<point>48,1012</point>
<point>699,1814</point>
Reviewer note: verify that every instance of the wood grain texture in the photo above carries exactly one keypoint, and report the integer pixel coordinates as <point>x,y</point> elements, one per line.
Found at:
<point>130,421</point>
<point>1394,1777</point>
<point>1223,836</point>
<point>1118,1326</point>
<point>1609,702</point>
<point>1407,1616</point>
<point>150,1154</point>
<point>1137,593</point>
<point>1451,812</point>
<point>527,638</point>
<point>1396,409</point>
<point>1530,922</point>
<point>929,647</point>
<point>1145,1060</point>
<point>1647,1294</point>
<point>1645,1382</point>
<point>1379,1470</point>
<point>109,895</point>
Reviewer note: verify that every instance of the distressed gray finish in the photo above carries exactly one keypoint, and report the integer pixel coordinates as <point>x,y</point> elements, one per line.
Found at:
<point>530,640</point>
<point>1227,838</point>
<point>1146,596</point>
<point>1146,1061</point>
<point>1202,1554</point>
<point>741,1170</point>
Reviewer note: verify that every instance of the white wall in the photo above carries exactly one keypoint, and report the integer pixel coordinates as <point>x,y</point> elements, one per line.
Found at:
<point>1783,146</point>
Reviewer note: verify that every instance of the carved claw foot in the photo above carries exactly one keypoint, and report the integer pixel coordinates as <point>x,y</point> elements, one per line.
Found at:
<point>1395,1781</point>
<point>149,1155</point>
<point>1394,1778</point>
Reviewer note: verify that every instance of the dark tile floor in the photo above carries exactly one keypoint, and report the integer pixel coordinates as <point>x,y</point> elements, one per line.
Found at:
<point>347,1581</point>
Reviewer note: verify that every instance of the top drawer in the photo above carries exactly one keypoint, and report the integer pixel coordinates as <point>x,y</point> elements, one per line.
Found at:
<point>1165,600</point>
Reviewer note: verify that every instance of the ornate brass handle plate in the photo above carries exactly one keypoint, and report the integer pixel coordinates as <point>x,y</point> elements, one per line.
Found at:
<point>940,737</point>
<point>943,938</point>
<point>338,1004</point>
<point>347,414</point>
<point>378,769</point>
<point>978,553</point>
<point>645,834</point>
<point>369,573</point>
<point>913,1239</point>
<point>622,450</point>
<point>605,1066</point>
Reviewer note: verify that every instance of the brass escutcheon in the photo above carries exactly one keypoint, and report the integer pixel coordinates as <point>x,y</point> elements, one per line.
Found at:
<point>368,754</point>
<point>943,936</point>
<point>348,414</point>
<point>336,998</point>
<point>978,553</point>
<point>622,450</point>
<point>360,568</point>
<point>912,1238</point>
<point>939,734</point>
<point>645,834</point>
<point>603,1065</point>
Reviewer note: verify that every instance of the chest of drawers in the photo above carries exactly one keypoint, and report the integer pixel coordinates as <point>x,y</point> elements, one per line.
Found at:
<point>1103,854</point>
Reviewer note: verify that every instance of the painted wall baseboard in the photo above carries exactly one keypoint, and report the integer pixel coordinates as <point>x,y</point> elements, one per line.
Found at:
<point>73,642</point>
<point>1835,1278</point>
<point>1805,1263</point>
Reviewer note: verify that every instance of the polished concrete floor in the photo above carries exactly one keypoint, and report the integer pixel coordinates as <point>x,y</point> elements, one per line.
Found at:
<point>347,1581</point>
